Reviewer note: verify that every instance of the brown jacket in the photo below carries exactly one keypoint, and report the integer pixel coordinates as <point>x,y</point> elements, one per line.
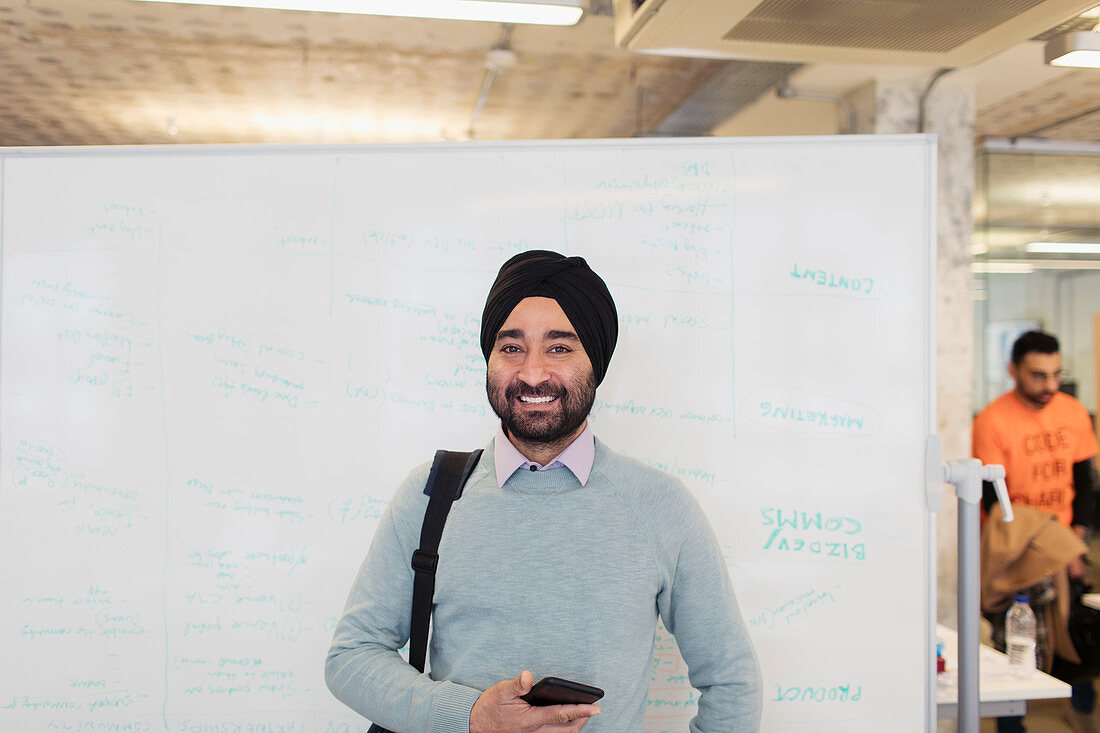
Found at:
<point>1021,553</point>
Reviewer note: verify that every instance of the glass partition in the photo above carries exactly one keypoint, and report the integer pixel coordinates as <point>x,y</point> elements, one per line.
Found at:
<point>1036,258</point>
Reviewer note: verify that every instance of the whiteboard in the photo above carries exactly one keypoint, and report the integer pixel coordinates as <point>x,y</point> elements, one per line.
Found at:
<point>206,352</point>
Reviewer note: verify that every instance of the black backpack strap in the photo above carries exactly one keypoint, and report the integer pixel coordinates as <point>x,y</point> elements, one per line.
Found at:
<point>449,473</point>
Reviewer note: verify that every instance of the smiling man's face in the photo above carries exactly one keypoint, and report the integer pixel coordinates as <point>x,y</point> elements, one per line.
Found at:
<point>539,378</point>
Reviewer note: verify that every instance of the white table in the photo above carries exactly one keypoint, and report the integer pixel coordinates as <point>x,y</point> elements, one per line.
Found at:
<point>1000,692</point>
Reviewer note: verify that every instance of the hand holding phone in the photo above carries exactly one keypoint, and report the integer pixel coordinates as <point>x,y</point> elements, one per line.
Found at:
<point>558,691</point>
<point>500,710</point>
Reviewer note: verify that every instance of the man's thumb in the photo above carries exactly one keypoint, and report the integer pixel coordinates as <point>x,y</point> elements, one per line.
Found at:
<point>523,684</point>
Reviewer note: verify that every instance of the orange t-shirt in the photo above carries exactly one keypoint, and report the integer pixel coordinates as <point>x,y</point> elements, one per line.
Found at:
<point>1037,448</point>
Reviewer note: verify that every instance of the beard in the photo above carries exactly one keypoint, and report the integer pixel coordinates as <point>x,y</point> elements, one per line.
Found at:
<point>1039,397</point>
<point>548,426</point>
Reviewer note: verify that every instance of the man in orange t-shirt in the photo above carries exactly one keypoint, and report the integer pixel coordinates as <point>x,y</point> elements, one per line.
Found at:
<point>1044,440</point>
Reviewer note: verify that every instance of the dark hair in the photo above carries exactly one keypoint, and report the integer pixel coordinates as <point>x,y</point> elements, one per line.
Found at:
<point>1043,343</point>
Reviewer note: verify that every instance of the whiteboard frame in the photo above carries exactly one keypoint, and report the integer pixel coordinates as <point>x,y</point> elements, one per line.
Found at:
<point>65,151</point>
<point>928,141</point>
<point>930,518</point>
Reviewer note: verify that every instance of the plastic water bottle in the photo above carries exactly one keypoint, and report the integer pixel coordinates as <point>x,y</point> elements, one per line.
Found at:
<point>1020,638</point>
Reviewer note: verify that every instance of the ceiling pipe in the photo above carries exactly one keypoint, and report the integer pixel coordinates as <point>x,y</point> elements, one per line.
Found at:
<point>729,90</point>
<point>784,90</point>
<point>922,116</point>
<point>500,58</point>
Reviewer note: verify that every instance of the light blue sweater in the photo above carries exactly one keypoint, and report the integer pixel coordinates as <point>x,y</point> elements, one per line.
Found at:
<point>547,575</point>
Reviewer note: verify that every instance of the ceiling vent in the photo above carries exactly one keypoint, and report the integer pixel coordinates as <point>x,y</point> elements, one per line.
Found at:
<point>913,32</point>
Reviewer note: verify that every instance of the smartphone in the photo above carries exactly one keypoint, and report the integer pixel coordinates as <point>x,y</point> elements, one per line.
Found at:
<point>556,691</point>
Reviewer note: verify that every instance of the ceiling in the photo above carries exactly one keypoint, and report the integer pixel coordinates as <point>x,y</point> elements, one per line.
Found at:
<point>80,72</point>
<point>115,72</point>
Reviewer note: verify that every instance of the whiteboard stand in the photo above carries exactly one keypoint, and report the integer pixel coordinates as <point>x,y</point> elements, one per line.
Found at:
<point>967,476</point>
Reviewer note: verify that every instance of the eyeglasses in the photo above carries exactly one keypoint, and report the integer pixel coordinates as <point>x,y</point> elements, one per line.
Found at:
<point>1059,376</point>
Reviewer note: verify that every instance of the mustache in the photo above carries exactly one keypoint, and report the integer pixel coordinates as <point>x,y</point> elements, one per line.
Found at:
<point>518,389</point>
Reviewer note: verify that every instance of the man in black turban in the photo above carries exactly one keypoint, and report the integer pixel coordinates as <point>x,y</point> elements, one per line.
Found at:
<point>547,332</point>
<point>558,557</point>
<point>571,282</point>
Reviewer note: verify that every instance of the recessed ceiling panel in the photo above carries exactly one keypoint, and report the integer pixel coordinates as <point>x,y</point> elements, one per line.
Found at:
<point>911,32</point>
<point>934,26</point>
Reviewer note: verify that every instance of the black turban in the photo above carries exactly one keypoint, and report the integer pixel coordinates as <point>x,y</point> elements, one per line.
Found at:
<point>571,282</point>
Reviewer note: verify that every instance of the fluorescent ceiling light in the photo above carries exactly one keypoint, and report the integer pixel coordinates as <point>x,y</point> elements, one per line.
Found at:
<point>540,12</point>
<point>1069,248</point>
<point>1078,48</point>
<point>1026,266</point>
<point>1002,268</point>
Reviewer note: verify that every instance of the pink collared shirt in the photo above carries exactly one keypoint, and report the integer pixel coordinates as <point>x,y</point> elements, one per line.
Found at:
<point>577,457</point>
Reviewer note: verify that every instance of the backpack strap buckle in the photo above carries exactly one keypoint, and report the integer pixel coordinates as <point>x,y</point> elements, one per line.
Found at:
<point>425,562</point>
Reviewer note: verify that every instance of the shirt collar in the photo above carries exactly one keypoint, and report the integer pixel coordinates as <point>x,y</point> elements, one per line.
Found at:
<point>577,457</point>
